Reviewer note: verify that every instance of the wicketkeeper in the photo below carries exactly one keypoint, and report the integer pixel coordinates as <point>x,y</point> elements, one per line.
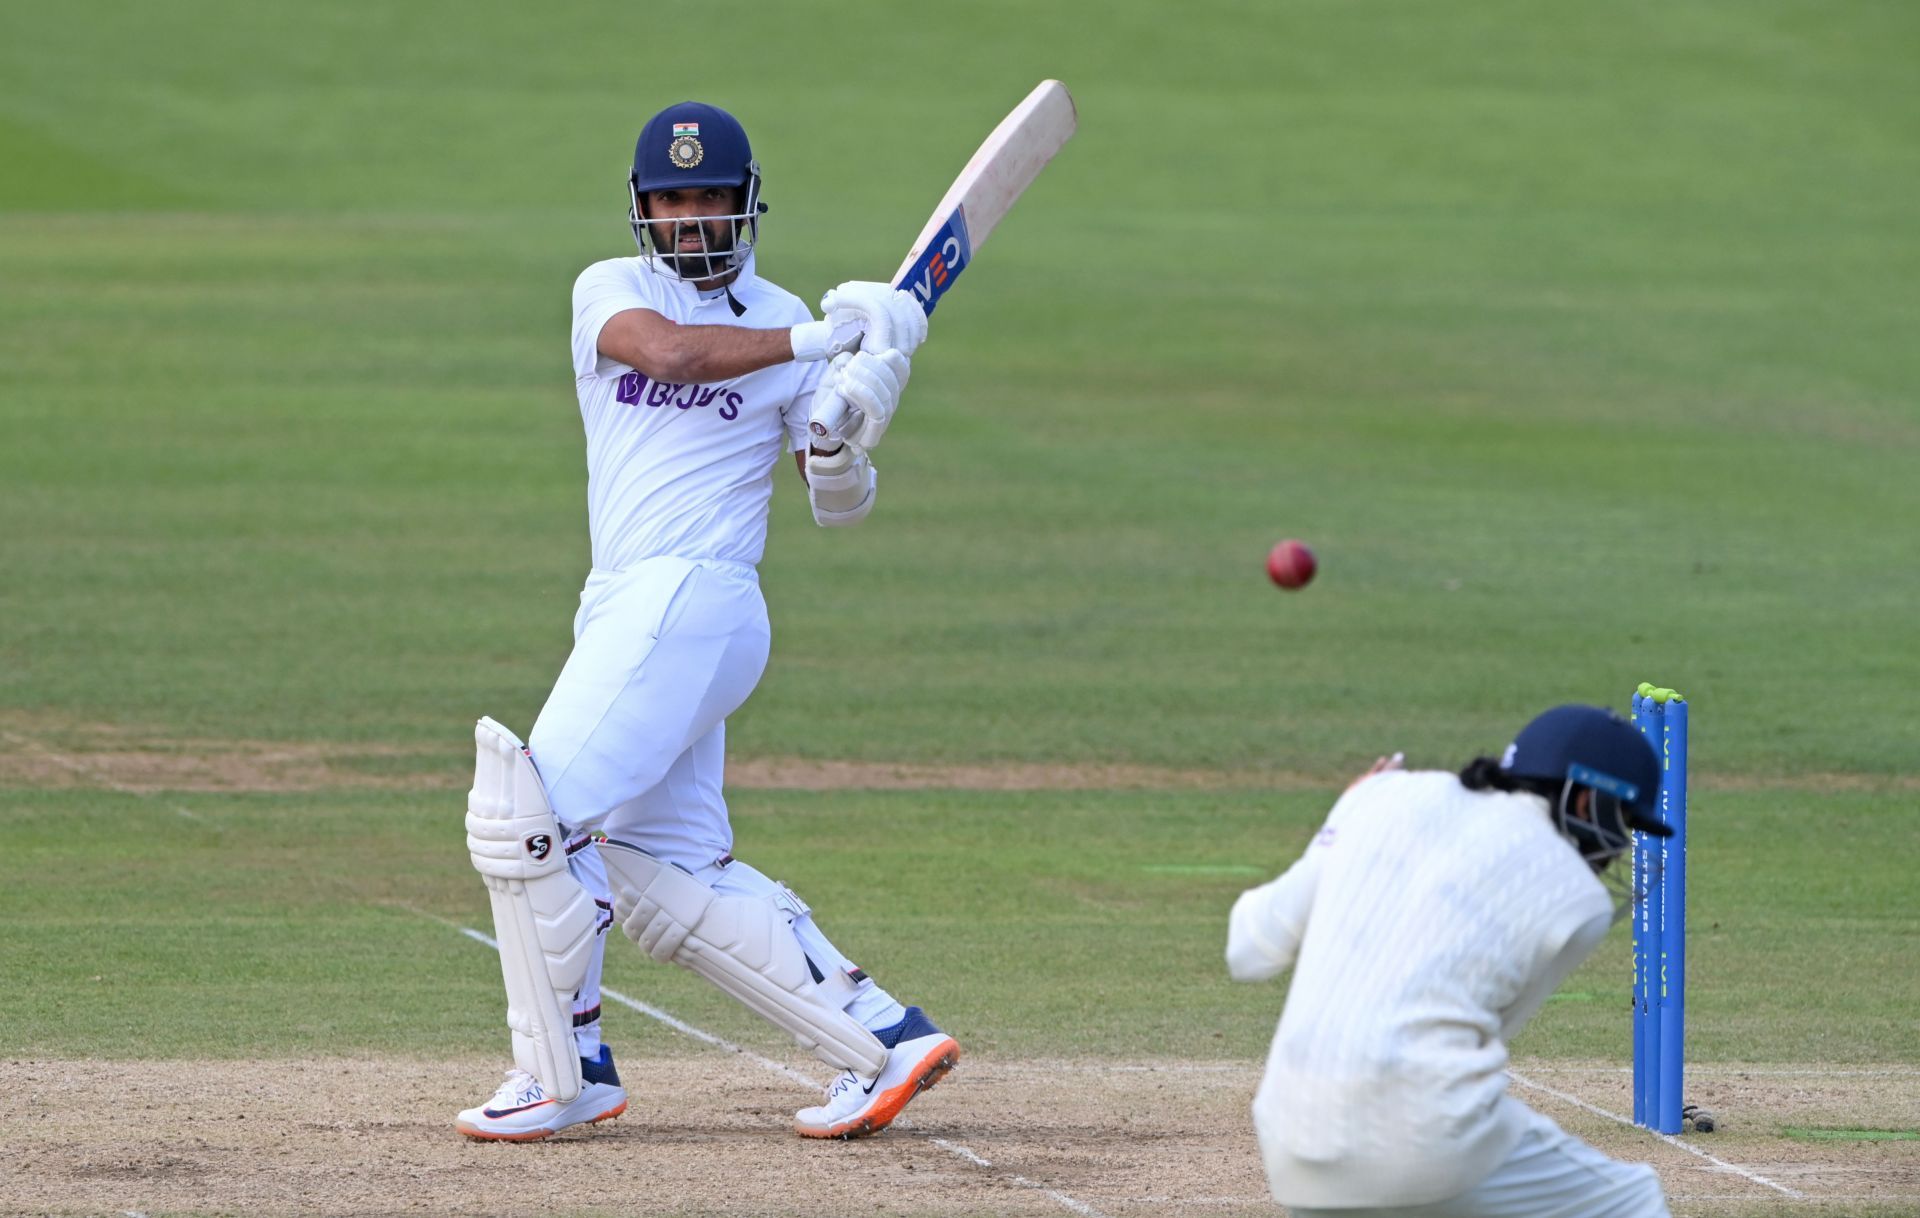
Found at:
<point>1427,921</point>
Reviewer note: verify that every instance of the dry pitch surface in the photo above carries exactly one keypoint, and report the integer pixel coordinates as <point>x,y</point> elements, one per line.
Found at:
<point>707,1131</point>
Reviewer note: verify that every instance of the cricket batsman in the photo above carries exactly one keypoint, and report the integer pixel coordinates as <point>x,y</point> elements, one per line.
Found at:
<point>694,375</point>
<point>1425,924</point>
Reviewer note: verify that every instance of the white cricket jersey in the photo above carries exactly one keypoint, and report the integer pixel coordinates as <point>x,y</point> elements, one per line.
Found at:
<point>683,470</point>
<point>1425,923</point>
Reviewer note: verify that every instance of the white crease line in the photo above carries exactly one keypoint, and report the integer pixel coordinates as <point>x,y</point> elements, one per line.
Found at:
<point>960,1150</point>
<point>680,1025</point>
<point>96,775</point>
<point>1668,1138</point>
<point>1822,1199</point>
<point>1073,1203</point>
<point>1246,1068</point>
<point>1263,1200</point>
<point>1717,1071</point>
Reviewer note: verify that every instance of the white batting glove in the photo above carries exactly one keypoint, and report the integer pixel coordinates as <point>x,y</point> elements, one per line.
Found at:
<point>813,340</point>
<point>871,383</point>
<point>891,319</point>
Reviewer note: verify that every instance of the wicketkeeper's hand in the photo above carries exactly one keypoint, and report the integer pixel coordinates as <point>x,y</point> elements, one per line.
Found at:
<point>1380,766</point>
<point>871,383</point>
<point>889,318</point>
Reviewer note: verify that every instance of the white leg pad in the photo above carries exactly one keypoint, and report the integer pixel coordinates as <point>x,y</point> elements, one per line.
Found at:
<point>542,917</point>
<point>744,945</point>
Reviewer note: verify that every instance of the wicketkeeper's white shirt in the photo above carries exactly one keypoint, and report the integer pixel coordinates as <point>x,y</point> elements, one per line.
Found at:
<point>1425,924</point>
<point>683,470</point>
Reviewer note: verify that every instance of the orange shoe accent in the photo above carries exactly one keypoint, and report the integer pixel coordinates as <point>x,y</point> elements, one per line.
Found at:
<point>932,1068</point>
<point>481,1135</point>
<point>533,1135</point>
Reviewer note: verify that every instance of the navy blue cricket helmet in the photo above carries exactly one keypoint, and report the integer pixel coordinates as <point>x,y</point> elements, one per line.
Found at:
<point>691,145</point>
<point>1588,746</point>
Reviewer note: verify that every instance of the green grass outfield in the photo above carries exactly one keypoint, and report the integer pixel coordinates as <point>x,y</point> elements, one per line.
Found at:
<point>1579,340</point>
<point>1035,925</point>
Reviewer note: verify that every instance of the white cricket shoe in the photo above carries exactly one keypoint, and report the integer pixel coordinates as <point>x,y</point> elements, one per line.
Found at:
<point>521,1111</point>
<point>858,1106</point>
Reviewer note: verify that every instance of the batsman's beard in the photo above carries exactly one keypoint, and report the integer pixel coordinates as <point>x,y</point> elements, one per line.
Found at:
<point>696,249</point>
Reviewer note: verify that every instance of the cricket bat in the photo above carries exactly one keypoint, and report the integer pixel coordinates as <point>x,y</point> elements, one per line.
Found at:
<point>1004,166</point>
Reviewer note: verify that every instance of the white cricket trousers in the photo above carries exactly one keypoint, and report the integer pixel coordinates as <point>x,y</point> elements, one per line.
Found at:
<point>632,740</point>
<point>1550,1174</point>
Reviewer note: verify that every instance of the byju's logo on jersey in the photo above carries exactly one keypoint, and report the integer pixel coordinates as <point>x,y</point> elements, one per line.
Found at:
<point>636,390</point>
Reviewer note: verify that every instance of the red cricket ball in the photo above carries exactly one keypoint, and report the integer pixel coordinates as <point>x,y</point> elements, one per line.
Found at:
<point>1291,564</point>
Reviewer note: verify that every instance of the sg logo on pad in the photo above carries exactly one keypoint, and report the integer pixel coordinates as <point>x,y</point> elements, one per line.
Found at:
<point>539,845</point>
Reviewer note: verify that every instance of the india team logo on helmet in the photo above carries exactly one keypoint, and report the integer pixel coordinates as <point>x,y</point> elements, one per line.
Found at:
<point>686,151</point>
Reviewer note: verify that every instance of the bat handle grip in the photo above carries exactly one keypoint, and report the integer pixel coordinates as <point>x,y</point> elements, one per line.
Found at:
<point>829,408</point>
<point>829,416</point>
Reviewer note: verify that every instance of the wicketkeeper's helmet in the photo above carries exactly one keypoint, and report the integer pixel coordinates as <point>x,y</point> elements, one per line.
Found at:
<point>1587,746</point>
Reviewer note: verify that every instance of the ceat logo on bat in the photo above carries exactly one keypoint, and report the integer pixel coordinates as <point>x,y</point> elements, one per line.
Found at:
<point>940,263</point>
